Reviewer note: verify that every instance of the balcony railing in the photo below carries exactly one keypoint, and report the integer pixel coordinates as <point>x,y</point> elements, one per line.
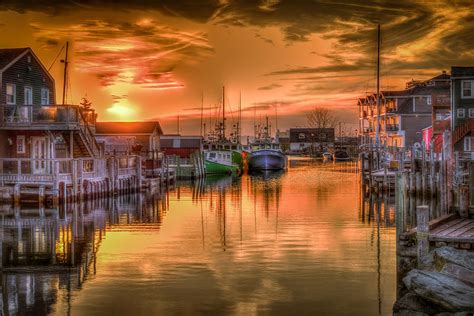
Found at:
<point>31,115</point>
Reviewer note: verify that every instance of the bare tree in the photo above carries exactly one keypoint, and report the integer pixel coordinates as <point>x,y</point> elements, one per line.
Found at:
<point>321,118</point>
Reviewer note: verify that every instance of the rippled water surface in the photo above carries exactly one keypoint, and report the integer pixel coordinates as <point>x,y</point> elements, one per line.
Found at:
<point>301,242</point>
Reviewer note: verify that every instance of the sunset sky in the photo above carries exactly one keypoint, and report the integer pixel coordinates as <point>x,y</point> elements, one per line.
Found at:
<point>154,59</point>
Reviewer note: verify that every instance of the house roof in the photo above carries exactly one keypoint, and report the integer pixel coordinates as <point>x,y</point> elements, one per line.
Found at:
<point>442,76</point>
<point>7,55</point>
<point>462,71</point>
<point>128,128</point>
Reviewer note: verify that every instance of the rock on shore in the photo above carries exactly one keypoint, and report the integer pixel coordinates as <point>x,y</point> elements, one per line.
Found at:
<point>446,287</point>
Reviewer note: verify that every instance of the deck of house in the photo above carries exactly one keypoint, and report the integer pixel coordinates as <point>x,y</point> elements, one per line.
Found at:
<point>85,172</point>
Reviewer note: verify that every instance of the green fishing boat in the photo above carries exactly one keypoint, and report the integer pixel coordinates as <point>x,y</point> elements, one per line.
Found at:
<point>220,162</point>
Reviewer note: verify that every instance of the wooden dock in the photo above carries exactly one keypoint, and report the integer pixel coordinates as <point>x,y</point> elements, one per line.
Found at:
<point>448,230</point>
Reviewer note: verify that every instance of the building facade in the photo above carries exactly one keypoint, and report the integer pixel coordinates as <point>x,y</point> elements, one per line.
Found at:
<point>304,140</point>
<point>405,113</point>
<point>462,107</point>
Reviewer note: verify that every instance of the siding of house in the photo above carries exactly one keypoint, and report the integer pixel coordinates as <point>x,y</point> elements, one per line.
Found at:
<point>24,74</point>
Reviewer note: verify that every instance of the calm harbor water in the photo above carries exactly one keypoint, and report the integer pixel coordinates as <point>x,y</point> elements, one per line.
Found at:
<point>300,242</point>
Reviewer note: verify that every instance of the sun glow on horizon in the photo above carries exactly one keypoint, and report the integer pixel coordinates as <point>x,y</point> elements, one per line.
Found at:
<point>122,110</point>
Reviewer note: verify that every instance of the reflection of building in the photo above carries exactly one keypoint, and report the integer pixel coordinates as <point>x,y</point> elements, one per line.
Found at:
<point>311,139</point>
<point>404,113</point>
<point>129,136</point>
<point>47,254</point>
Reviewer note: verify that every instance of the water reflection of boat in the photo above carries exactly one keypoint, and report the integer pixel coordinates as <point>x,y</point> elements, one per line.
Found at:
<point>219,180</point>
<point>327,157</point>
<point>341,155</point>
<point>266,174</point>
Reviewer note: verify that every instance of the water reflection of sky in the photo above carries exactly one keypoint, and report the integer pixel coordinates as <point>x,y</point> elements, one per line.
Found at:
<point>295,243</point>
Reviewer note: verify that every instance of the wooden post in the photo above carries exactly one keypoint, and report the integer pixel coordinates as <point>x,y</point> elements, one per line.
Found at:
<point>16,194</point>
<point>400,194</point>
<point>464,201</point>
<point>422,232</point>
<point>41,195</point>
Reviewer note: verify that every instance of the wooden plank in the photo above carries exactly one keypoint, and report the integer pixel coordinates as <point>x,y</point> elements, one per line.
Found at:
<point>435,223</point>
<point>452,228</point>
<point>446,226</point>
<point>459,239</point>
<point>462,230</point>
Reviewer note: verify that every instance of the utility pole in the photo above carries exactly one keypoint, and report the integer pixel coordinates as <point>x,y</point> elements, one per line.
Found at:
<point>66,62</point>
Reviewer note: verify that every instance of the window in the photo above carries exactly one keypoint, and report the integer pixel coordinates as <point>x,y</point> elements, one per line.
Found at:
<point>28,96</point>
<point>20,144</point>
<point>301,136</point>
<point>471,112</point>
<point>44,96</point>
<point>461,113</point>
<point>11,93</point>
<point>468,143</point>
<point>466,89</point>
<point>428,100</point>
<point>28,58</point>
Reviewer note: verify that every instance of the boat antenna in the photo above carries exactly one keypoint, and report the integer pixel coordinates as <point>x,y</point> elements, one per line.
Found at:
<point>377,127</point>
<point>276,116</point>
<point>178,123</point>
<point>65,61</point>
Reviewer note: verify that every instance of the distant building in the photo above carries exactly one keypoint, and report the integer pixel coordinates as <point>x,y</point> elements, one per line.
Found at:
<point>303,140</point>
<point>124,137</point>
<point>462,107</point>
<point>404,113</point>
<point>284,139</point>
<point>180,145</point>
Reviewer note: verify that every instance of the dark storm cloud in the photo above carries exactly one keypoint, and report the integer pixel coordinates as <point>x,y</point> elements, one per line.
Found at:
<point>270,86</point>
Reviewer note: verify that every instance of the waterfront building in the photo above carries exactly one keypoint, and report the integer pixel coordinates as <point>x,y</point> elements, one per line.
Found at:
<point>304,140</point>
<point>129,137</point>
<point>462,107</point>
<point>182,146</point>
<point>405,113</point>
<point>49,150</point>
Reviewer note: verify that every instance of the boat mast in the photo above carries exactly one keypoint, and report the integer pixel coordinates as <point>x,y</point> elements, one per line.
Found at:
<point>202,113</point>
<point>377,127</point>
<point>66,62</point>
<point>239,126</point>
<point>223,112</point>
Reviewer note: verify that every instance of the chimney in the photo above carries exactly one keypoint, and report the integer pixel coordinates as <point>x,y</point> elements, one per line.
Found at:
<point>444,72</point>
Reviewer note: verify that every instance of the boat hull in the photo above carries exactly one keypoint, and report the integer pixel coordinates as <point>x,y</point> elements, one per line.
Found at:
<point>213,167</point>
<point>267,160</point>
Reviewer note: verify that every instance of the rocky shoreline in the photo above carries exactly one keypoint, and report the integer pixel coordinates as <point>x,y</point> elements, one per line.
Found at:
<point>444,285</point>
